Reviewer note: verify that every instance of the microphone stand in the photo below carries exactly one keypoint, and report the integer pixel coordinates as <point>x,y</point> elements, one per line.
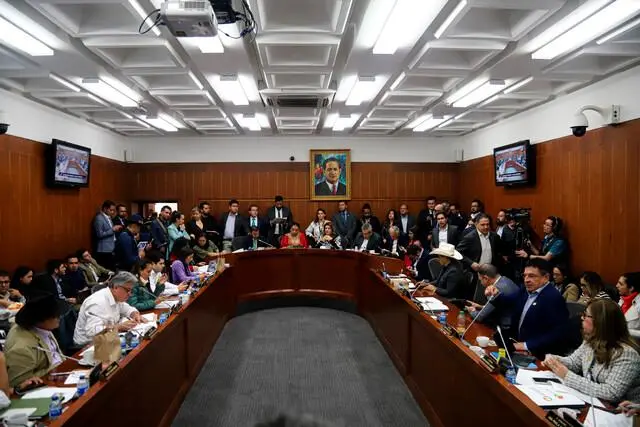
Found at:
<point>506,350</point>
<point>491,298</point>
<point>266,243</point>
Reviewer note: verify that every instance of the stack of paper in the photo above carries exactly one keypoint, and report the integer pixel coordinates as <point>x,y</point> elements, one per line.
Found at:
<point>606,419</point>
<point>167,304</point>
<point>432,304</point>
<point>74,377</point>
<point>46,393</point>
<point>142,328</point>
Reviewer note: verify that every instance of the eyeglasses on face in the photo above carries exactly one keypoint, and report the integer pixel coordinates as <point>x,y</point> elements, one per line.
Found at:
<point>586,315</point>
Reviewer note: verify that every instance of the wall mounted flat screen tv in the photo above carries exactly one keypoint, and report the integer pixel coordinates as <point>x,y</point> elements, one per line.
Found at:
<point>514,164</point>
<point>68,165</point>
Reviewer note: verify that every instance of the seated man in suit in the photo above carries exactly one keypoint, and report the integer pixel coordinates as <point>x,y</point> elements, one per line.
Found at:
<point>93,272</point>
<point>52,282</point>
<point>419,262</point>
<point>489,313</point>
<point>393,247</point>
<point>444,232</point>
<point>540,321</point>
<point>331,186</point>
<point>254,241</point>
<point>367,240</point>
<point>451,282</point>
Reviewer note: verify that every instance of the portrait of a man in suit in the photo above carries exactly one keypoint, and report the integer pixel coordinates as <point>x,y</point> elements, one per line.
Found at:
<point>330,174</point>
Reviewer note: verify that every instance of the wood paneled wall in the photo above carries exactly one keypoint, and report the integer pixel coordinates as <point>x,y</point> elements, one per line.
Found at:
<point>592,183</point>
<point>36,222</point>
<point>383,185</point>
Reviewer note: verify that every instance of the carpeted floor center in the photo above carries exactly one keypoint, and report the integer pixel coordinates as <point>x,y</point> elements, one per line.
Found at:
<point>324,363</point>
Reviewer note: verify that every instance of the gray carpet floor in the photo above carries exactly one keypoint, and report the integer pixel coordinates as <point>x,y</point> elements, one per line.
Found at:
<point>315,362</point>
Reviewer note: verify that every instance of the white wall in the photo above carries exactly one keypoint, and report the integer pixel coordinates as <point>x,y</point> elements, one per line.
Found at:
<point>30,120</point>
<point>551,120</point>
<point>279,149</point>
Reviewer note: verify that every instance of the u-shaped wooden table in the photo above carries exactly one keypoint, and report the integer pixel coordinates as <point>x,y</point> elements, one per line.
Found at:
<point>445,377</point>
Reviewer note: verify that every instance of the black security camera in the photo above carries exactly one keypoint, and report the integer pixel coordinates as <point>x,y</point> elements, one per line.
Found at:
<point>291,159</point>
<point>4,127</point>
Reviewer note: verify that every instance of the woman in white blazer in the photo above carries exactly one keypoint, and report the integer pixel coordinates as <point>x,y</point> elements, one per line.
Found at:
<point>629,288</point>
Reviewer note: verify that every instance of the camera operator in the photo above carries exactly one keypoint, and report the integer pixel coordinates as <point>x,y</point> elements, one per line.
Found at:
<point>553,248</point>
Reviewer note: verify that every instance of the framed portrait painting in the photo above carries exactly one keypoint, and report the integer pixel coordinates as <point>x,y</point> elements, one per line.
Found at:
<point>330,174</point>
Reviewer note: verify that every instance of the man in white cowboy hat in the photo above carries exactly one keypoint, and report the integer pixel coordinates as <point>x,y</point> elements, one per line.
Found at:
<point>450,283</point>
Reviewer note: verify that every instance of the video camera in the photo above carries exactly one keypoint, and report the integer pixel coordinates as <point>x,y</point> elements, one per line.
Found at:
<point>519,215</point>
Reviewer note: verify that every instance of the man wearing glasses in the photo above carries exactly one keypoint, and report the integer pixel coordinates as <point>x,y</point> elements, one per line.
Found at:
<point>107,307</point>
<point>8,296</point>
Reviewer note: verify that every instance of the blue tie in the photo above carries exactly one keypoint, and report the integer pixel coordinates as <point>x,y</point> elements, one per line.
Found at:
<point>253,222</point>
<point>344,214</point>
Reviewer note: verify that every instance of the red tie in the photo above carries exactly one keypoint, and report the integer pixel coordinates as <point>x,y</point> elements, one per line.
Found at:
<point>335,189</point>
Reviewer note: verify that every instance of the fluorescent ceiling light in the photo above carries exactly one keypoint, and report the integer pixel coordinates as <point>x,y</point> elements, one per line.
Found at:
<point>108,92</point>
<point>517,86</point>
<point>589,29</point>
<point>345,121</point>
<point>482,92</point>
<point>405,24</point>
<point>18,39</point>
<point>330,120</point>
<point>363,89</point>
<point>619,31</point>
<point>171,120</point>
<point>430,122</point>
<point>143,15</point>
<point>65,83</point>
<point>232,90</point>
<point>249,121</point>
<point>574,18</point>
<point>210,44</point>
<point>447,22</point>
<point>419,120</point>
<point>140,122</point>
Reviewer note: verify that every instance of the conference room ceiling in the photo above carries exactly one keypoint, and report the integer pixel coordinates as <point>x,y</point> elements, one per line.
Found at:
<point>315,67</point>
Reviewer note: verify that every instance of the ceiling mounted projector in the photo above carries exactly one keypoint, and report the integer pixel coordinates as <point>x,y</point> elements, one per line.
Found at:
<point>194,18</point>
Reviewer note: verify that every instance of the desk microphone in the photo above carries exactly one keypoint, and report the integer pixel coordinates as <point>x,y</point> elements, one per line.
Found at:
<point>491,298</point>
<point>266,243</point>
<point>56,352</point>
<point>506,350</point>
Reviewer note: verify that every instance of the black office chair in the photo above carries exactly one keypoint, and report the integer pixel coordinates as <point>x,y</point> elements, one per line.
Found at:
<point>478,295</point>
<point>96,288</point>
<point>574,334</point>
<point>237,242</point>
<point>469,276</point>
<point>434,268</point>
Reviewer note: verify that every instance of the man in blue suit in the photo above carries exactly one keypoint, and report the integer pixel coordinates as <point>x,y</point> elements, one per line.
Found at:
<point>540,317</point>
<point>105,233</point>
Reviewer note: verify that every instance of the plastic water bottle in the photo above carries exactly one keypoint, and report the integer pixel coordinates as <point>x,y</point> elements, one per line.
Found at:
<point>510,375</point>
<point>55,407</point>
<point>135,340</point>
<point>163,318</point>
<point>442,318</point>
<point>461,324</point>
<point>83,385</point>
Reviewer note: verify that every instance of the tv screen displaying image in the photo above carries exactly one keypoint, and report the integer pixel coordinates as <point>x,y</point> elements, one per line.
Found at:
<point>514,164</point>
<point>68,165</point>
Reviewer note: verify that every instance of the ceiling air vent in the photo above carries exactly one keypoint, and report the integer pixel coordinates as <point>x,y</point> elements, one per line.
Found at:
<point>276,98</point>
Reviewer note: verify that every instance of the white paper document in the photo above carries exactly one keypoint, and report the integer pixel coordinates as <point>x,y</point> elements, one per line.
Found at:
<point>150,317</point>
<point>527,377</point>
<point>142,328</point>
<point>607,419</point>
<point>74,377</point>
<point>562,388</point>
<point>432,304</point>
<point>47,392</point>
<point>546,397</point>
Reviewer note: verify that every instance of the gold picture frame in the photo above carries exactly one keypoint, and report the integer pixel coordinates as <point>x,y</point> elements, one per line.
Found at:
<point>330,174</point>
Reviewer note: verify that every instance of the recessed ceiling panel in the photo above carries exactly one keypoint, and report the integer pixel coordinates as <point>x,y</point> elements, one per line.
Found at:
<point>325,16</point>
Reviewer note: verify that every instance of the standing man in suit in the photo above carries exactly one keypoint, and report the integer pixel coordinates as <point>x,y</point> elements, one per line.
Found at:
<point>444,233</point>
<point>455,217</point>
<point>345,224</point>
<point>280,220</point>
<point>231,225</point>
<point>331,186</point>
<point>159,229</point>
<point>367,240</point>
<point>481,246</point>
<point>209,222</point>
<point>121,216</point>
<point>505,228</point>
<point>255,220</point>
<point>369,218</point>
<point>427,221</point>
<point>406,223</point>
<point>540,321</point>
<point>105,233</point>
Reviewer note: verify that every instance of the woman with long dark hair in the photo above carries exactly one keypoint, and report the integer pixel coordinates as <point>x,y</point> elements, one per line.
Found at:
<point>607,364</point>
<point>392,219</point>
<point>565,284</point>
<point>181,267</point>
<point>592,287</point>
<point>21,280</point>
<point>629,289</point>
<point>142,297</point>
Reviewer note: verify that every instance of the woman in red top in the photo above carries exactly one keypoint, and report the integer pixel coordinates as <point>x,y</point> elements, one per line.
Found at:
<point>294,239</point>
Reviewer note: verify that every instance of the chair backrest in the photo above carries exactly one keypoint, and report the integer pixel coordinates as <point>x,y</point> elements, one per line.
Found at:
<point>236,243</point>
<point>96,288</point>
<point>574,334</point>
<point>434,268</point>
<point>575,309</point>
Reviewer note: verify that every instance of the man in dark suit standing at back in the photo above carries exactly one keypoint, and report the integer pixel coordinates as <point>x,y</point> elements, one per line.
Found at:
<point>481,246</point>
<point>345,224</point>
<point>331,186</point>
<point>426,221</point>
<point>540,322</point>
<point>444,232</point>
<point>280,220</point>
<point>255,220</point>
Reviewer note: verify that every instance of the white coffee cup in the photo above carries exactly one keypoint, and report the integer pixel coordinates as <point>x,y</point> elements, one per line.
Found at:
<point>482,341</point>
